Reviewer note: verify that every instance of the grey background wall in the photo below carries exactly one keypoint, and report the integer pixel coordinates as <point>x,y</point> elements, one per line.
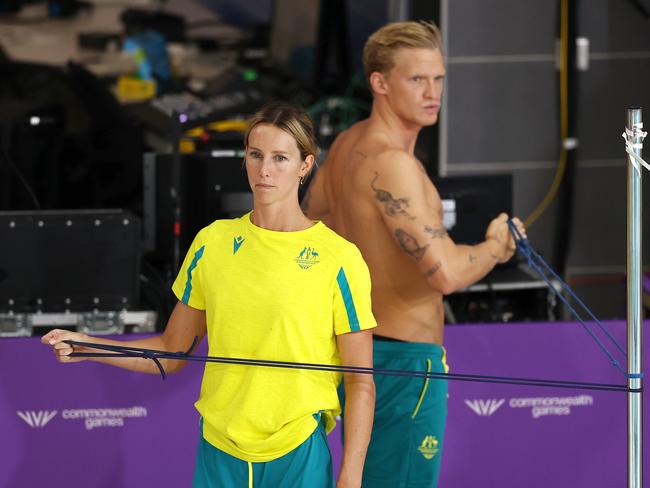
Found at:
<point>501,115</point>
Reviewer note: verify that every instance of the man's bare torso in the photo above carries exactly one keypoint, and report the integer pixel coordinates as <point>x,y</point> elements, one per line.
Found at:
<point>404,304</point>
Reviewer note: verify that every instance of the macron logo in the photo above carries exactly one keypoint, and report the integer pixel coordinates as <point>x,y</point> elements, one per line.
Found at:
<point>484,408</point>
<point>236,243</point>
<point>37,419</point>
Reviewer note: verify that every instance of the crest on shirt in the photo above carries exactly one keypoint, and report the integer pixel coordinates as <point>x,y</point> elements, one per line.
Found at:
<point>307,257</point>
<point>429,447</point>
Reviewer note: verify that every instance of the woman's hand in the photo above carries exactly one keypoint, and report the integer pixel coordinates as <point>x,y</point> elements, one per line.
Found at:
<point>62,351</point>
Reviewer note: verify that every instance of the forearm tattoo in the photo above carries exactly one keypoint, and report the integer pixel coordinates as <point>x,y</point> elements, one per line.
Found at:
<point>393,207</point>
<point>472,258</point>
<point>436,233</point>
<point>433,270</point>
<point>409,245</point>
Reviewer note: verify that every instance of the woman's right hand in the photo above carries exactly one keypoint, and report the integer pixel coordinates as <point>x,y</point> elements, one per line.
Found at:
<point>62,351</point>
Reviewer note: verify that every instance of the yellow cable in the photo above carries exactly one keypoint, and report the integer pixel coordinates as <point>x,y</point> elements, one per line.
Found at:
<point>564,117</point>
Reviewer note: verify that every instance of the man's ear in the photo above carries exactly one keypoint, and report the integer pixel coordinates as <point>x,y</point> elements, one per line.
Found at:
<point>378,83</point>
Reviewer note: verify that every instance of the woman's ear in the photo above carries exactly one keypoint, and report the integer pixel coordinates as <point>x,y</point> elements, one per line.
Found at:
<point>307,165</point>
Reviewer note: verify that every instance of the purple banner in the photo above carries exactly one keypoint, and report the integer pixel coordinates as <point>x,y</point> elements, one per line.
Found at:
<point>93,425</point>
<point>514,436</point>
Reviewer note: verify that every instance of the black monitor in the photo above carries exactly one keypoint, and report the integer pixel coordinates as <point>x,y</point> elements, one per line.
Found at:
<point>471,202</point>
<point>213,186</point>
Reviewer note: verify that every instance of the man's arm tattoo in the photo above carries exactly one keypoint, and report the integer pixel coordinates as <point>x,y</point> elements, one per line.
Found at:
<point>409,245</point>
<point>472,258</point>
<point>433,270</point>
<point>436,233</point>
<point>393,207</point>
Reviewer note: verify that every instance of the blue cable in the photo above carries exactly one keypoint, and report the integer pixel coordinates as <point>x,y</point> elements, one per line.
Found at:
<point>524,247</point>
<point>156,355</point>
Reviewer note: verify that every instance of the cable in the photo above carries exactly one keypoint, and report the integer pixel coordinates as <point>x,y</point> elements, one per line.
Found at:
<point>526,249</point>
<point>156,356</point>
<point>641,8</point>
<point>564,117</point>
<point>20,176</point>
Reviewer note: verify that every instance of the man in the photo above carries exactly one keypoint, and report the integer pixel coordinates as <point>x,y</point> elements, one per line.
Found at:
<point>374,192</point>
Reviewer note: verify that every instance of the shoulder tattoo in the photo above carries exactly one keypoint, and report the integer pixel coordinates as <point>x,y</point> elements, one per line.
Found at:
<point>410,245</point>
<point>392,206</point>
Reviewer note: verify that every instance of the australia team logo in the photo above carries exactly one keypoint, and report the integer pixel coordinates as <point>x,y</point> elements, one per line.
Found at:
<point>429,447</point>
<point>307,257</point>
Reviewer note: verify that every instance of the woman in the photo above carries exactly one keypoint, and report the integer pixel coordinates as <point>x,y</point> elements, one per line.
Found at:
<point>270,285</point>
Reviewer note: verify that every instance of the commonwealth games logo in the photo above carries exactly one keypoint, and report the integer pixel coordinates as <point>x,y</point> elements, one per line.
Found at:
<point>429,447</point>
<point>307,257</point>
<point>37,419</point>
<point>484,408</point>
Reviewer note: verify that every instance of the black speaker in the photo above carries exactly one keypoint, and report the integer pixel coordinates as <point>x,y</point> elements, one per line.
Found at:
<point>76,260</point>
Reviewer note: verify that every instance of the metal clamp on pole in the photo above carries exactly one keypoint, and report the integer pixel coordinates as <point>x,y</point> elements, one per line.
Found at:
<point>634,139</point>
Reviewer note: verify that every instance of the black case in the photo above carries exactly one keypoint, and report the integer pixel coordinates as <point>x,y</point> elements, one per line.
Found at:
<point>76,260</point>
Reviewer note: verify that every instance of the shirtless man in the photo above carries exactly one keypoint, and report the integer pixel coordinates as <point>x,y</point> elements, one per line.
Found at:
<point>374,192</point>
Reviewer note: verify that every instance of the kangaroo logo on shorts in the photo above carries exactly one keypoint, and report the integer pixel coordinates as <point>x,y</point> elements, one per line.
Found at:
<point>307,257</point>
<point>429,447</point>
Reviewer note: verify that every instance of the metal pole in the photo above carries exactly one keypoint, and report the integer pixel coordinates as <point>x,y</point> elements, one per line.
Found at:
<point>176,192</point>
<point>398,10</point>
<point>634,326</point>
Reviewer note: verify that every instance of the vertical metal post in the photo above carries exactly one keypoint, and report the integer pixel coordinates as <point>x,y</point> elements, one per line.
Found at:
<point>634,325</point>
<point>398,10</point>
<point>443,120</point>
<point>176,190</point>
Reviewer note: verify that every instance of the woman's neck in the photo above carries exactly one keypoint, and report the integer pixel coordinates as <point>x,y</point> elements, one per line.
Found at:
<point>281,219</point>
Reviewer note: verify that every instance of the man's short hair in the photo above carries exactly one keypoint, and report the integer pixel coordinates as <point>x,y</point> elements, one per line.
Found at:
<point>381,46</point>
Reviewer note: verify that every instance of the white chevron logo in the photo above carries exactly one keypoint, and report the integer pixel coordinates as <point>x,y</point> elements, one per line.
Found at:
<point>37,419</point>
<point>484,408</point>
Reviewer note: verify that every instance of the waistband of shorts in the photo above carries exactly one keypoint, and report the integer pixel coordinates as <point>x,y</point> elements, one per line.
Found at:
<point>415,349</point>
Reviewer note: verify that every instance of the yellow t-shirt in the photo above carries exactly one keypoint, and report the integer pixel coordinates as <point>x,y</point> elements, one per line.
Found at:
<point>281,296</point>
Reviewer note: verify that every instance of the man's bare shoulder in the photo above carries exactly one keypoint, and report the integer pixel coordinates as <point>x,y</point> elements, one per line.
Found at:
<point>394,159</point>
<point>389,163</point>
<point>363,151</point>
<point>370,147</point>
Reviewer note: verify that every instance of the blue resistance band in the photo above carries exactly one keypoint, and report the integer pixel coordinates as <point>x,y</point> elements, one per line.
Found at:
<point>156,355</point>
<point>536,262</point>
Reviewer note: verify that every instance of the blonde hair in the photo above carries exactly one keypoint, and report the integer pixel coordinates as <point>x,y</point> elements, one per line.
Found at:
<point>291,119</point>
<point>381,46</point>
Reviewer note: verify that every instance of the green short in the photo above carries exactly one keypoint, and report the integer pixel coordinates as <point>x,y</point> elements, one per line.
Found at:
<point>307,466</point>
<point>410,413</point>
